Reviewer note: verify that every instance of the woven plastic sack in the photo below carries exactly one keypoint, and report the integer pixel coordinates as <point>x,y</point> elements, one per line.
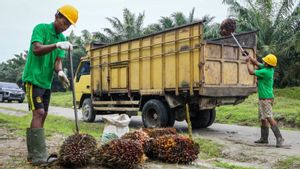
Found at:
<point>115,127</point>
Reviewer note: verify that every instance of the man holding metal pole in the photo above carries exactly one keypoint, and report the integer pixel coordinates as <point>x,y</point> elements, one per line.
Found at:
<point>265,77</point>
<point>45,56</point>
<point>264,74</point>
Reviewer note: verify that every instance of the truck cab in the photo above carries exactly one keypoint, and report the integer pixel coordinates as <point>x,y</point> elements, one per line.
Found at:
<point>82,84</point>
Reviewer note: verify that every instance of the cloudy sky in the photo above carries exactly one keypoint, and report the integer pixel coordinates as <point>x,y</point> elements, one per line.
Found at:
<point>18,17</point>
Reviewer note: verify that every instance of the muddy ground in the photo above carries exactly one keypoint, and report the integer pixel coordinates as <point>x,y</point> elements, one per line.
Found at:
<point>238,147</point>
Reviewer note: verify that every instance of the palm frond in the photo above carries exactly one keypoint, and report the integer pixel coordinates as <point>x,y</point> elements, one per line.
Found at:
<point>284,10</point>
<point>139,23</point>
<point>265,6</point>
<point>116,24</point>
<point>166,22</point>
<point>208,19</point>
<point>191,16</point>
<point>179,18</point>
<point>152,29</point>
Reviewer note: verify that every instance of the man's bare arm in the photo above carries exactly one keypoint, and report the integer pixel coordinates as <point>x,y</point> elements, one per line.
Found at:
<point>254,61</point>
<point>58,65</point>
<point>250,68</point>
<point>40,49</point>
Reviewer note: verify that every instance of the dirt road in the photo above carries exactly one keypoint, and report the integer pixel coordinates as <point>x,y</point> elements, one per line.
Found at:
<point>238,141</point>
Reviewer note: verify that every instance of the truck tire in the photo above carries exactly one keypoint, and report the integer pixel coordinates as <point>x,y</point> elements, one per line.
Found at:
<point>212,117</point>
<point>20,101</point>
<point>154,114</point>
<point>201,120</point>
<point>88,113</point>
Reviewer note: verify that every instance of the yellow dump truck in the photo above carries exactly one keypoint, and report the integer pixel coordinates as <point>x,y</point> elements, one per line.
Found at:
<point>159,74</point>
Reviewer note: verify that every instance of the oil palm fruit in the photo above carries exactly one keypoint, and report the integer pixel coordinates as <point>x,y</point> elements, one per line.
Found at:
<point>77,150</point>
<point>156,132</point>
<point>172,149</point>
<point>138,135</point>
<point>120,153</point>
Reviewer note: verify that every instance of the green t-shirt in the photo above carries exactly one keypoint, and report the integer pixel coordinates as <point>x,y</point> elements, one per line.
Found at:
<point>265,82</point>
<point>39,69</point>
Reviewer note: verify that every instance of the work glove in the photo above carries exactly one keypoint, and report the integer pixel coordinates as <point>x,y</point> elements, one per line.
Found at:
<point>64,45</point>
<point>245,53</point>
<point>63,79</point>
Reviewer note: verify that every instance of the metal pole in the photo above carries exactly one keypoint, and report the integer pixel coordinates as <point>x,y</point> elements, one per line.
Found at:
<point>73,91</point>
<point>237,42</point>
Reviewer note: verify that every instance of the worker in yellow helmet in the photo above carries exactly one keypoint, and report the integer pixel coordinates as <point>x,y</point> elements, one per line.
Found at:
<point>265,78</point>
<point>47,49</point>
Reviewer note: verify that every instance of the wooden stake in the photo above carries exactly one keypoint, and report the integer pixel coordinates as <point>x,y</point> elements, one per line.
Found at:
<point>187,110</point>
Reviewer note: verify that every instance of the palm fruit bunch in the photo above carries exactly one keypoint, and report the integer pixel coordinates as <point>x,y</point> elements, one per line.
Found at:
<point>120,153</point>
<point>228,26</point>
<point>77,150</point>
<point>156,132</point>
<point>172,149</point>
<point>138,135</point>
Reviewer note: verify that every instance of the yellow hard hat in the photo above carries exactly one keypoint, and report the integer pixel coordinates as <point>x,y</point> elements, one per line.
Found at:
<point>69,12</point>
<point>270,59</point>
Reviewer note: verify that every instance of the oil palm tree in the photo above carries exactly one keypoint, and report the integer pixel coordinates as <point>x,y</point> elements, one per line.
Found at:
<point>131,26</point>
<point>211,29</point>
<point>180,19</point>
<point>11,70</point>
<point>167,22</point>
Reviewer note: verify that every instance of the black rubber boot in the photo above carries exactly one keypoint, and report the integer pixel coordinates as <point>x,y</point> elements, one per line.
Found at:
<point>264,131</point>
<point>38,147</point>
<point>279,138</point>
<point>29,145</point>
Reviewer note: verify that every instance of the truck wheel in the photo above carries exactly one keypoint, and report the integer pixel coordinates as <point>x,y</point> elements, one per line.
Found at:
<point>87,111</point>
<point>20,101</point>
<point>201,119</point>
<point>212,117</point>
<point>154,114</point>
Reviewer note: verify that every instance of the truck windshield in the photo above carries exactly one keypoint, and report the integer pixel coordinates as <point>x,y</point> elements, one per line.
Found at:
<point>84,69</point>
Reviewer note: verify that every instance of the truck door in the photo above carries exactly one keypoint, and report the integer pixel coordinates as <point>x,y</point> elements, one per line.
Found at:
<point>82,81</point>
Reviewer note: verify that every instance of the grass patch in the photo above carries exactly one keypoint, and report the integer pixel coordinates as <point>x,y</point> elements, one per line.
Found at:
<point>290,162</point>
<point>209,148</point>
<point>13,109</point>
<point>286,109</point>
<point>62,99</point>
<point>53,124</point>
<point>230,166</point>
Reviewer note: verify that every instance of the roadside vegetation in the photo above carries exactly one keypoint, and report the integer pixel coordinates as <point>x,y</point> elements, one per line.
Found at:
<point>290,162</point>
<point>230,166</point>
<point>54,124</point>
<point>62,99</point>
<point>209,148</point>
